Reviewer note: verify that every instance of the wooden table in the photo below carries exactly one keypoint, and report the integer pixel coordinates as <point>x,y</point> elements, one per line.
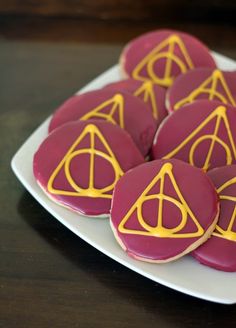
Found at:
<point>48,276</point>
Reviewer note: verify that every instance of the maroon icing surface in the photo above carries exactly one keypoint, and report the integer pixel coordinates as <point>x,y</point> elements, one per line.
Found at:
<point>186,83</point>
<point>133,183</point>
<point>217,252</point>
<point>140,47</point>
<point>138,120</point>
<point>132,85</point>
<point>57,144</point>
<point>179,125</point>
<point>129,85</point>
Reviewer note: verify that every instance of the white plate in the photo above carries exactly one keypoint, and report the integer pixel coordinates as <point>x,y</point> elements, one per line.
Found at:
<point>185,275</point>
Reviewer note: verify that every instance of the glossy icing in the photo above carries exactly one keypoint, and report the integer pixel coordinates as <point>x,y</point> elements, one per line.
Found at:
<point>120,108</point>
<point>153,95</point>
<point>204,136</point>
<point>162,55</point>
<point>79,164</point>
<point>219,251</point>
<point>163,217</point>
<point>202,83</point>
<point>116,104</point>
<point>94,133</point>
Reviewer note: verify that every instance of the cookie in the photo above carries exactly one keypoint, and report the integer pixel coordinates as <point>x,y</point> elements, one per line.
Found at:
<point>79,163</point>
<point>157,215</point>
<point>202,134</point>
<point>202,83</point>
<point>120,108</point>
<point>162,55</point>
<point>152,94</point>
<point>219,251</point>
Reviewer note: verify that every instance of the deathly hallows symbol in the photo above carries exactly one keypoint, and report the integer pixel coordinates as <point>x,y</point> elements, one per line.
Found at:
<point>210,87</point>
<point>108,110</point>
<point>227,233</point>
<point>220,117</point>
<point>164,50</point>
<point>159,230</point>
<point>93,133</point>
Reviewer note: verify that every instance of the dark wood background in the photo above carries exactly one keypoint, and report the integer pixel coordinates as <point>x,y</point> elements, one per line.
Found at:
<point>124,9</point>
<point>48,276</point>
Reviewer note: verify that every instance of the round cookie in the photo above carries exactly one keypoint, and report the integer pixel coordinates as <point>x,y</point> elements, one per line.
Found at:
<point>202,83</point>
<point>79,163</point>
<point>157,215</point>
<point>219,251</point>
<point>202,134</point>
<point>162,55</point>
<point>120,108</point>
<point>152,94</point>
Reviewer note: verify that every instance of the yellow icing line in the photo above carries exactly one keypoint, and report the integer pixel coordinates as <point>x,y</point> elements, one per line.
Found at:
<point>159,53</point>
<point>220,114</point>
<point>209,86</point>
<point>64,165</point>
<point>117,104</point>
<point>228,233</point>
<point>148,95</point>
<point>226,185</point>
<point>159,230</point>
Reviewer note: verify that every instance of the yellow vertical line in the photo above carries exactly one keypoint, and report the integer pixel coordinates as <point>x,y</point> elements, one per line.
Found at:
<point>229,135</point>
<point>92,153</point>
<point>206,164</point>
<point>185,53</point>
<point>213,87</point>
<point>121,113</point>
<point>230,226</point>
<point>160,208</point>
<point>145,98</point>
<point>113,108</point>
<point>154,104</point>
<point>169,60</point>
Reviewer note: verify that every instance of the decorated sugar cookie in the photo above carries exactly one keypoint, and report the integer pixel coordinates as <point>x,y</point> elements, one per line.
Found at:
<point>119,108</point>
<point>162,55</point>
<point>202,83</point>
<point>219,251</point>
<point>152,94</point>
<point>202,133</point>
<point>79,164</point>
<point>158,216</point>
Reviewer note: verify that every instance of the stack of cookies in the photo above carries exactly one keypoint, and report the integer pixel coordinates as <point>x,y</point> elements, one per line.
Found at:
<point>154,152</point>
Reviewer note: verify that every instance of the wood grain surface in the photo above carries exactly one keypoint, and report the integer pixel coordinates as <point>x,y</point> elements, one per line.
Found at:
<point>48,276</point>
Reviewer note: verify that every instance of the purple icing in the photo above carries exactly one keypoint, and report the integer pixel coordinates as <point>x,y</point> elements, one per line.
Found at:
<point>179,125</point>
<point>186,83</point>
<point>132,85</point>
<point>219,252</point>
<point>140,47</point>
<point>131,186</point>
<point>138,119</point>
<point>53,149</point>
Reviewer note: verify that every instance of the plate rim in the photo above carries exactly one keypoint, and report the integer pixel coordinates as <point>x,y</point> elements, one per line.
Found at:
<point>49,205</point>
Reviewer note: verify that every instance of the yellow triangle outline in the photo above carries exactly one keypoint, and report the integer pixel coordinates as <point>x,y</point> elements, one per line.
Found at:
<point>156,53</point>
<point>220,114</point>
<point>91,191</point>
<point>213,80</point>
<point>160,230</point>
<point>228,233</point>
<point>147,89</point>
<point>117,102</point>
